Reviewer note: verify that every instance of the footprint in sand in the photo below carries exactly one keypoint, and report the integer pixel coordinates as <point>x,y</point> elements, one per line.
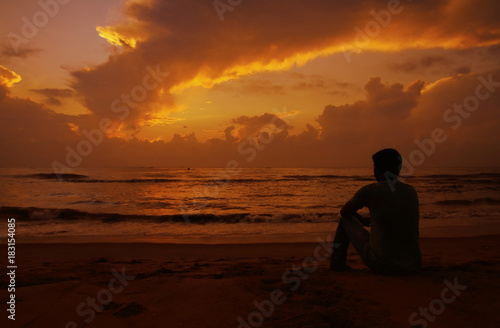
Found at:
<point>130,310</point>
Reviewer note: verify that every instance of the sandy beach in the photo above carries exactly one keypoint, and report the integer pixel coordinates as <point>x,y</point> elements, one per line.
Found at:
<point>251,285</point>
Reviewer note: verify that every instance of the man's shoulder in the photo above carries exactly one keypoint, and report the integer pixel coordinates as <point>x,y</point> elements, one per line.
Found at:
<point>369,187</point>
<point>384,185</point>
<point>406,186</point>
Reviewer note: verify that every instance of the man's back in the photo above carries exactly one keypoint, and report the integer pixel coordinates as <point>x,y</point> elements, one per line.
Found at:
<point>394,219</point>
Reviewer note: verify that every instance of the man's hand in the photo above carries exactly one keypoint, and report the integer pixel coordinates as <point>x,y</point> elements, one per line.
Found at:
<point>364,221</point>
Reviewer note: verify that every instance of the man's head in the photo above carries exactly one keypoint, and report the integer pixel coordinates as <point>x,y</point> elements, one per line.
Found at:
<point>386,164</point>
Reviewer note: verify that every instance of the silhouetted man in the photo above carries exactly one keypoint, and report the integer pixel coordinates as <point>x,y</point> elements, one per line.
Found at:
<point>392,247</point>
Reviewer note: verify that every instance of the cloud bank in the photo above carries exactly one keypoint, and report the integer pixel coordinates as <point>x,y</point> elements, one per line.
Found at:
<point>464,107</point>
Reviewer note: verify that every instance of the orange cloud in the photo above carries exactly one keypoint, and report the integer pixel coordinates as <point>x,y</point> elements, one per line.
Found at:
<point>187,39</point>
<point>7,77</point>
<point>30,133</point>
<point>251,126</point>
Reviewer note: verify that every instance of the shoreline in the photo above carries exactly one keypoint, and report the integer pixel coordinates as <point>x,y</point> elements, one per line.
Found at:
<point>428,232</point>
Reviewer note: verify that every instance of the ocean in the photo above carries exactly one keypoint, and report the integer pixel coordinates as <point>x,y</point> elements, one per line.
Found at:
<point>177,203</point>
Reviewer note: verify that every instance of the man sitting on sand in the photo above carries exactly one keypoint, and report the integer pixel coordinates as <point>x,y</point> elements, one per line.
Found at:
<point>392,247</point>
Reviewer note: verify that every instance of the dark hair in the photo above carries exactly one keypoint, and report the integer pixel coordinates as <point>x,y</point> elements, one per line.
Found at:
<point>388,160</point>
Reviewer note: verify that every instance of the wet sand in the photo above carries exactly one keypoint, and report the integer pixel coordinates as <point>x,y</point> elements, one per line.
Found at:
<point>200,285</point>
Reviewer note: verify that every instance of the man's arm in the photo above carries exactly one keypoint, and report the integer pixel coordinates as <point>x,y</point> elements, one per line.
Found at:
<point>351,209</point>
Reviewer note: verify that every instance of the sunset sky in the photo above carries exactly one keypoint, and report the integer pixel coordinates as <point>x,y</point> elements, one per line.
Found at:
<point>196,82</point>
